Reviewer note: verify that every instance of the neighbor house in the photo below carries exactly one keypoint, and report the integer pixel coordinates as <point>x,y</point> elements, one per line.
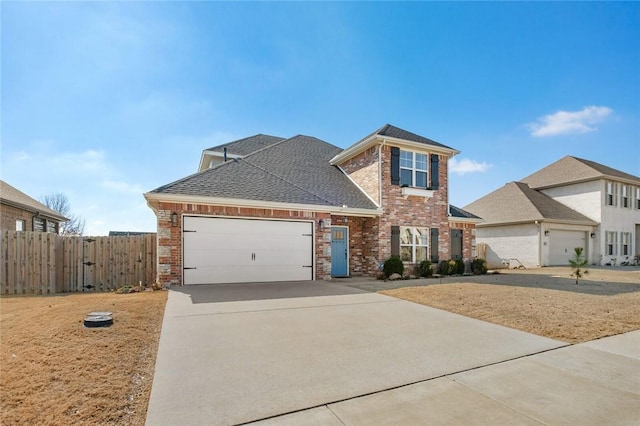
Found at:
<point>540,220</point>
<point>266,208</point>
<point>19,212</point>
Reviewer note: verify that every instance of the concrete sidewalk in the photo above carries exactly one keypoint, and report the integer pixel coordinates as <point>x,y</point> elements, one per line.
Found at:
<point>227,357</point>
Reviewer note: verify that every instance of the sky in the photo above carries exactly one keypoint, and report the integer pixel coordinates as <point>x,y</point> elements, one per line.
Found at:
<point>104,101</point>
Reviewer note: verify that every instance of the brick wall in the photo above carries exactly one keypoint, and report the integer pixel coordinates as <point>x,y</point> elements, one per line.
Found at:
<point>170,237</point>
<point>363,169</point>
<point>413,211</point>
<point>468,238</point>
<point>9,215</point>
<point>370,238</point>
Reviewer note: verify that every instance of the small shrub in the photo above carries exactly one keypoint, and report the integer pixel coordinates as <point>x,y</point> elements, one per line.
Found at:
<point>393,265</point>
<point>425,268</point>
<point>444,268</point>
<point>458,267</point>
<point>479,266</point>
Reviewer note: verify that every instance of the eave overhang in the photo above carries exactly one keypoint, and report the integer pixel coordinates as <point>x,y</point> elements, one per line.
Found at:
<point>538,221</point>
<point>344,210</point>
<point>55,217</point>
<point>374,140</point>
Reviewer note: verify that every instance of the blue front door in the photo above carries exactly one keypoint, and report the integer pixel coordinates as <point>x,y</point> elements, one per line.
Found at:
<point>339,252</point>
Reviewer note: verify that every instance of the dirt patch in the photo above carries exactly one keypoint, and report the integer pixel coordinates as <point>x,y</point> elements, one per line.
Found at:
<point>56,371</point>
<point>546,302</point>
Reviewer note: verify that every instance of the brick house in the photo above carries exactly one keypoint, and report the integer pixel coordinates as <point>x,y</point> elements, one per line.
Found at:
<point>19,212</point>
<point>266,208</point>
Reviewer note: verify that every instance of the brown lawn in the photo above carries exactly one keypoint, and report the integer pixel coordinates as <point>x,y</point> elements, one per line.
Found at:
<point>56,371</point>
<point>550,305</point>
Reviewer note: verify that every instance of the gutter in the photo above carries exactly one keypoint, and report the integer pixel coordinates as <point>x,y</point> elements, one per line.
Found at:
<point>242,203</point>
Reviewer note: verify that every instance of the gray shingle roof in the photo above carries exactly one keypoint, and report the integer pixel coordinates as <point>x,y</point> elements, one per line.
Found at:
<point>572,169</point>
<point>517,202</point>
<point>295,170</point>
<point>458,212</point>
<point>11,195</point>
<point>398,133</point>
<point>248,145</point>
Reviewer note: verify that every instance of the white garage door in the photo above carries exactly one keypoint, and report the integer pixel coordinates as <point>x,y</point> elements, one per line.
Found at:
<point>221,250</point>
<point>562,245</point>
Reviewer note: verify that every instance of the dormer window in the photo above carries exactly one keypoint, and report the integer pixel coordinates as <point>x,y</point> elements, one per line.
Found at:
<point>413,169</point>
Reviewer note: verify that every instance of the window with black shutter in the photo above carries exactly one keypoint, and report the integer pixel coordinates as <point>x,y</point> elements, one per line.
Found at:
<point>435,182</point>
<point>395,241</point>
<point>434,245</point>
<point>395,166</point>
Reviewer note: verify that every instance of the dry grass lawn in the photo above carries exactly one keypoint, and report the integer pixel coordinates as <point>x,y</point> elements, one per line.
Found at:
<point>547,306</point>
<point>56,371</point>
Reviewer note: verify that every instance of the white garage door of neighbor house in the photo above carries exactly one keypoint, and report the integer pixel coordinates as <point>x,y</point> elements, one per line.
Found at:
<point>221,250</point>
<point>562,245</point>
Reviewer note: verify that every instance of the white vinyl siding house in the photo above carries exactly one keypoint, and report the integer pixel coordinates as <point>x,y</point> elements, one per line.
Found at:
<point>608,200</point>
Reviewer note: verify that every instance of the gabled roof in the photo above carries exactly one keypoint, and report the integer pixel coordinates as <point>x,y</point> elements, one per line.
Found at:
<point>295,171</point>
<point>573,170</point>
<point>246,146</point>
<point>398,133</point>
<point>12,196</point>
<point>393,135</point>
<point>516,202</point>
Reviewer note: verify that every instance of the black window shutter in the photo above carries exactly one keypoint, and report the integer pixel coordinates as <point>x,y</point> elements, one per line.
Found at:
<point>395,166</point>
<point>435,181</point>
<point>434,245</point>
<point>395,241</point>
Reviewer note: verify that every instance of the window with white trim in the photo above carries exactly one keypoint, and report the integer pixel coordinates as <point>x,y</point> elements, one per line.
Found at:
<point>638,197</point>
<point>625,196</point>
<point>611,198</point>
<point>625,243</point>
<point>610,243</point>
<point>413,169</point>
<point>19,225</point>
<point>414,244</point>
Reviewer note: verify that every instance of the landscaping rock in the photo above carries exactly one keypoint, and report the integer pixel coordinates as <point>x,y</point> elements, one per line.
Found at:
<point>395,276</point>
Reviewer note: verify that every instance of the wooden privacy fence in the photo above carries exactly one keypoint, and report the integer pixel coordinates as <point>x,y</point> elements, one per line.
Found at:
<point>46,263</point>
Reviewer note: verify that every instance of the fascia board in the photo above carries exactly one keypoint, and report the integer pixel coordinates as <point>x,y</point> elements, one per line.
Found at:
<point>421,146</point>
<point>34,210</point>
<point>354,150</point>
<point>464,219</point>
<point>236,202</point>
<point>533,221</point>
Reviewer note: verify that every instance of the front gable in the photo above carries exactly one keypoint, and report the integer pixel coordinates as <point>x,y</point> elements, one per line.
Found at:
<point>394,160</point>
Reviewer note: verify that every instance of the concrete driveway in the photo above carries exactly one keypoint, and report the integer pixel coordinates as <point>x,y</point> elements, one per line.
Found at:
<point>324,353</point>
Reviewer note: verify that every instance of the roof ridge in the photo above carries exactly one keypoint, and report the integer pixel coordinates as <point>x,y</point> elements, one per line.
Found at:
<point>243,139</point>
<point>264,148</point>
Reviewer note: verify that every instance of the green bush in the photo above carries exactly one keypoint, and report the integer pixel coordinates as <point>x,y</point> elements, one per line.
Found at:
<point>425,268</point>
<point>458,267</point>
<point>479,266</point>
<point>393,265</point>
<point>444,268</point>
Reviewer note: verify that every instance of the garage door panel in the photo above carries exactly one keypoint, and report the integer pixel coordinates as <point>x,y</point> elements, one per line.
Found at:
<point>225,250</point>
<point>562,244</point>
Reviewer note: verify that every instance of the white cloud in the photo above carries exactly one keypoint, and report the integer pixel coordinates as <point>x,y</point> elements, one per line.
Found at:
<point>466,165</point>
<point>568,122</point>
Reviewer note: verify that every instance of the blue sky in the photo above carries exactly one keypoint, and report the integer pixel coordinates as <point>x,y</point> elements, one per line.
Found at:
<point>104,101</point>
